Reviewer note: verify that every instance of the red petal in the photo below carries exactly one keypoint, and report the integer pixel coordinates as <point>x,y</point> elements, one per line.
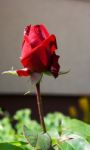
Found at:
<point>44,31</point>
<point>26,50</point>
<point>23,72</point>
<point>35,36</point>
<point>27,30</point>
<point>50,43</point>
<point>37,60</point>
<point>54,65</point>
<point>26,33</point>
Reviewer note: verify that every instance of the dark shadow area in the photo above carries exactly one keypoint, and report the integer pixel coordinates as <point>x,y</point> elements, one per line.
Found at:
<point>51,103</point>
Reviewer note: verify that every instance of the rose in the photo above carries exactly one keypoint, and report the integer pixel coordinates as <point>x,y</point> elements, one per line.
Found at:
<point>38,52</point>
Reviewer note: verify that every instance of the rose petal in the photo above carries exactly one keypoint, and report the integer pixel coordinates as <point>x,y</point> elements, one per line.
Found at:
<point>26,50</point>
<point>27,30</point>
<point>38,47</point>
<point>23,72</point>
<point>37,61</point>
<point>55,65</point>
<point>50,43</point>
<point>44,31</point>
<point>26,33</point>
<point>35,36</point>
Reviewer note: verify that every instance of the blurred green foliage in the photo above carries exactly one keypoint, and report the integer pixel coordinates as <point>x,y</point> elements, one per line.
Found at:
<point>62,132</point>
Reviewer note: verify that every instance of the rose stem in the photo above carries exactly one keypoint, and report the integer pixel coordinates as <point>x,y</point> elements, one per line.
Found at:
<point>40,107</point>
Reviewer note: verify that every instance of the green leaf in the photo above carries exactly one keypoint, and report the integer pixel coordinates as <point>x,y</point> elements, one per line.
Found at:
<point>52,121</point>
<point>40,141</point>
<point>30,136</point>
<point>8,146</point>
<point>73,142</point>
<point>68,124</point>
<point>43,142</point>
<point>77,126</point>
<point>19,143</point>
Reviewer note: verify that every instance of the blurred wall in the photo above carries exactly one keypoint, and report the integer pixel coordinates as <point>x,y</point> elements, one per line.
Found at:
<point>69,20</point>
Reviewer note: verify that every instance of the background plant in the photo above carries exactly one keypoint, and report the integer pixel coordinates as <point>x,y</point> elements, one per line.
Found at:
<point>62,132</point>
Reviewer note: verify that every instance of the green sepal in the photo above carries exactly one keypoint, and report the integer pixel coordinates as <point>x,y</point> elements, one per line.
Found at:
<point>63,72</point>
<point>60,73</point>
<point>11,72</point>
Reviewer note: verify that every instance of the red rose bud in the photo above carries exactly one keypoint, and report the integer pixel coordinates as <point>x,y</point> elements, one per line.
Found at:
<point>38,51</point>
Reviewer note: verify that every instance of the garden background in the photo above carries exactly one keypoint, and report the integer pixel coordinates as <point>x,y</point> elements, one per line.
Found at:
<point>69,20</point>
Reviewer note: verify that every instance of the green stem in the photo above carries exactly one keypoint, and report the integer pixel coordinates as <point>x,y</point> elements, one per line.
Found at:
<point>40,107</point>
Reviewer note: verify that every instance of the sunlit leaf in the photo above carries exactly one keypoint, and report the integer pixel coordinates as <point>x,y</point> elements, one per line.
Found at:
<point>43,141</point>
<point>73,142</point>
<point>19,143</point>
<point>30,136</point>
